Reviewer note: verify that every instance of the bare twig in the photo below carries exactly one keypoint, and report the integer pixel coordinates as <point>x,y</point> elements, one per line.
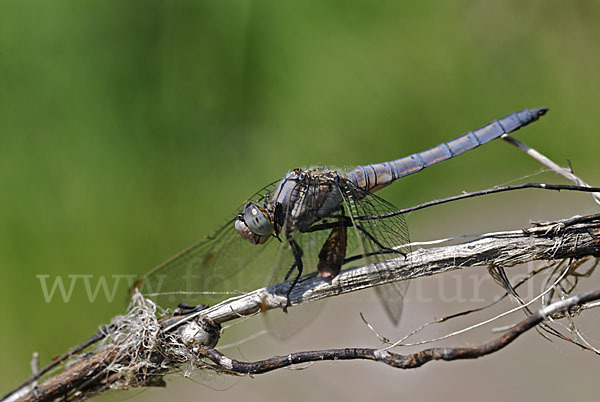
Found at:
<point>544,160</point>
<point>396,360</point>
<point>570,238</point>
<point>124,361</point>
<point>495,190</point>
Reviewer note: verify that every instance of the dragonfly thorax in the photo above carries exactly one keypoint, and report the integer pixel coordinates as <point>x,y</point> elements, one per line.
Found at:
<point>306,196</point>
<point>302,197</point>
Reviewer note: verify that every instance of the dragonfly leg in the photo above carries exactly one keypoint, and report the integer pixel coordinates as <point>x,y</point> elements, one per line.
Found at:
<point>378,252</point>
<point>343,222</point>
<point>184,309</point>
<point>297,251</point>
<point>384,249</point>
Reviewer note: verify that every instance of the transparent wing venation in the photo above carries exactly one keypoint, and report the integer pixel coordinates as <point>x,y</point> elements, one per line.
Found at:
<point>214,268</point>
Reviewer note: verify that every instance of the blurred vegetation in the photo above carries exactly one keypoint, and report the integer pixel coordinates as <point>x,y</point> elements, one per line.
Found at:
<point>130,129</point>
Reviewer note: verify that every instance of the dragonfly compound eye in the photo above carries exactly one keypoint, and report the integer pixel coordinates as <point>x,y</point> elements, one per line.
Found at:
<point>257,219</point>
<point>254,224</point>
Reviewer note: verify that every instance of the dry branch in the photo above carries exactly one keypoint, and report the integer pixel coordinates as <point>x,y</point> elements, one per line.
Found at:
<point>396,360</point>
<point>577,237</point>
<point>545,161</point>
<point>176,340</point>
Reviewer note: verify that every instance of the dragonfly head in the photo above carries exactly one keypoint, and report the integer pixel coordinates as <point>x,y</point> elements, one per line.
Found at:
<point>255,223</point>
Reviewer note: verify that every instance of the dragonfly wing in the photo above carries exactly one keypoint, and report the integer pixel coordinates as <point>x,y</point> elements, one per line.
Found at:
<point>219,266</point>
<point>392,296</point>
<point>378,237</point>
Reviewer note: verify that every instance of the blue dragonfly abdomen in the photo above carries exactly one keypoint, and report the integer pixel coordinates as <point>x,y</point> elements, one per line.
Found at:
<point>378,175</point>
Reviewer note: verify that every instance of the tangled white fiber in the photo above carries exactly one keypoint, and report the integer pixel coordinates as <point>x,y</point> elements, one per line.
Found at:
<point>134,336</point>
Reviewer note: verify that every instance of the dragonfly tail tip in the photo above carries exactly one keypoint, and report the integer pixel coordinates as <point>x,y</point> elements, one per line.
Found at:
<point>539,112</point>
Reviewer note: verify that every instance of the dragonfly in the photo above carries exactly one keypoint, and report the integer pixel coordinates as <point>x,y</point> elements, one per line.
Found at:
<point>314,219</point>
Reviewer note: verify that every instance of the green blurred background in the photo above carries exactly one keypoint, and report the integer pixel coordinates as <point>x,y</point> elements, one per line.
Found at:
<point>129,129</point>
